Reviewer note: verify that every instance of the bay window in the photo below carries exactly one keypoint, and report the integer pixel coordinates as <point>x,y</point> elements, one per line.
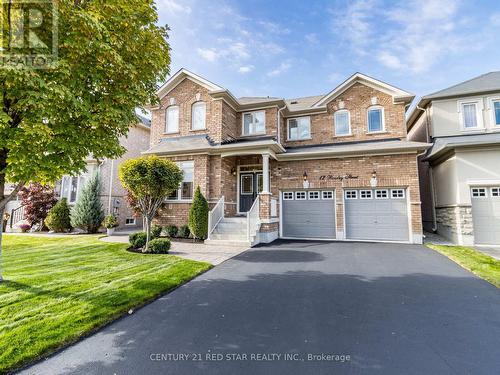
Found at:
<point>299,128</point>
<point>185,190</point>
<point>254,123</point>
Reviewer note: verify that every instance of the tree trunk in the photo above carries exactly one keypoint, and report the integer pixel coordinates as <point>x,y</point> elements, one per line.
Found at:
<point>1,232</point>
<point>148,233</point>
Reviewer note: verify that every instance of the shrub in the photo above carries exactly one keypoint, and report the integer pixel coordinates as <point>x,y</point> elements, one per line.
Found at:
<point>37,200</point>
<point>198,215</point>
<point>137,240</point>
<point>156,231</point>
<point>58,218</point>
<point>87,213</point>
<point>24,227</point>
<point>159,246</point>
<point>110,222</point>
<point>172,230</point>
<point>184,232</point>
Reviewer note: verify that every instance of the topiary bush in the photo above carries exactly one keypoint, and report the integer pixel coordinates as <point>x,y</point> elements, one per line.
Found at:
<point>58,218</point>
<point>159,246</point>
<point>156,231</point>
<point>184,232</point>
<point>198,215</point>
<point>137,240</point>
<point>172,230</point>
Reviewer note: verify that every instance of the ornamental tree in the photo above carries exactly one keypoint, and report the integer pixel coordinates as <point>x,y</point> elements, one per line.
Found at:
<point>87,214</point>
<point>37,200</point>
<point>198,215</point>
<point>111,55</point>
<point>150,180</point>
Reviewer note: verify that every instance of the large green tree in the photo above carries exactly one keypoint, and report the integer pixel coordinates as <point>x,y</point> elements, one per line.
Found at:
<point>111,54</point>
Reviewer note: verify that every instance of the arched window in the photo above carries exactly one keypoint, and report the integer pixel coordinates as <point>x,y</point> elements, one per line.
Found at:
<point>376,122</point>
<point>198,114</point>
<point>172,120</point>
<point>342,122</point>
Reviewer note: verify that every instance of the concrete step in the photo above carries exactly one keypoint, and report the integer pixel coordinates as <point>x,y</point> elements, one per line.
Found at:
<point>227,243</point>
<point>239,220</point>
<point>228,236</point>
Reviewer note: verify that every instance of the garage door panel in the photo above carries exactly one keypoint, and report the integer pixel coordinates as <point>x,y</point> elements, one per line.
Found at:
<point>377,219</point>
<point>309,218</point>
<point>486,217</point>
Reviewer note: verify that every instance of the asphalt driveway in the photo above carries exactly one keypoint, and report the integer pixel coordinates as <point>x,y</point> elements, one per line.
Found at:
<point>281,309</point>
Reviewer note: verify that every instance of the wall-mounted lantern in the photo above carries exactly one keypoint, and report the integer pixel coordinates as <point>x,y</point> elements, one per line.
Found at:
<point>373,180</point>
<point>233,171</point>
<point>305,183</point>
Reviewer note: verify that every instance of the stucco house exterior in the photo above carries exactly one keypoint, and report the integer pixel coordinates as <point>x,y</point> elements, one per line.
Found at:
<point>460,174</point>
<point>334,166</point>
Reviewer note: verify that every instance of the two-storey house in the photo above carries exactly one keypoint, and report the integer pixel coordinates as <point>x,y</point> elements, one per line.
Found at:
<point>335,166</point>
<point>460,174</point>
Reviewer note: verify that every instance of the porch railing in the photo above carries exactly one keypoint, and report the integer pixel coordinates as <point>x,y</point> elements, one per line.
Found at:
<point>253,218</point>
<point>16,215</point>
<point>215,216</point>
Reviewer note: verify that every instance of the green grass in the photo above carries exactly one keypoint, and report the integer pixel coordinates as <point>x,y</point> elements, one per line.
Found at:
<point>482,265</point>
<point>58,289</point>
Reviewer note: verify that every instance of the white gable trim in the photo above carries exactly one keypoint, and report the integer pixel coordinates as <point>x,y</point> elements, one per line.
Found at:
<point>366,80</point>
<point>182,74</point>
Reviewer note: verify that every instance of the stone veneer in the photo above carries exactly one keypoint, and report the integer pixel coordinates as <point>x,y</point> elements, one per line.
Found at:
<point>455,223</point>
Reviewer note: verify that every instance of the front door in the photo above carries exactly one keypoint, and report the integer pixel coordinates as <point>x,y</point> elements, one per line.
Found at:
<point>250,186</point>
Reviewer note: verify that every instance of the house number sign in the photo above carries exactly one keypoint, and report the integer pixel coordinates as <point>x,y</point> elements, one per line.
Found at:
<point>340,178</point>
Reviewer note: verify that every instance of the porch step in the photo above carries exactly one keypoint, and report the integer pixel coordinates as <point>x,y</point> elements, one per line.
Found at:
<point>214,243</point>
<point>229,236</point>
<point>234,220</point>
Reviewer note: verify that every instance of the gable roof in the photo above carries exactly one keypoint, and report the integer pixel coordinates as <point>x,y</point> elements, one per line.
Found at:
<point>182,74</point>
<point>397,94</point>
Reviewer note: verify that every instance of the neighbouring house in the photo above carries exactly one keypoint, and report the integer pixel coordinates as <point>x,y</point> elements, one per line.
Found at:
<point>335,166</point>
<point>460,173</point>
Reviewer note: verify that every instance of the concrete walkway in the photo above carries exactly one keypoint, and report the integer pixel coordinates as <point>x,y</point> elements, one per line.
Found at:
<point>195,251</point>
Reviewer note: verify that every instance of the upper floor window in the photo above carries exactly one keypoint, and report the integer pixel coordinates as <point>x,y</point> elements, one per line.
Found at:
<point>299,128</point>
<point>172,120</point>
<point>375,119</point>
<point>185,190</point>
<point>198,115</point>
<point>496,110</point>
<point>469,113</point>
<point>254,123</point>
<point>342,121</point>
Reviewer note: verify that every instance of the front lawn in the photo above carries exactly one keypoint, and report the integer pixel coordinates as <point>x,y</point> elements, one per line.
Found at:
<point>482,265</point>
<point>58,289</point>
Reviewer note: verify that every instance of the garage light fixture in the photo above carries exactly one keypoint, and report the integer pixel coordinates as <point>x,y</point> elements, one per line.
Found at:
<point>373,180</point>
<point>305,184</point>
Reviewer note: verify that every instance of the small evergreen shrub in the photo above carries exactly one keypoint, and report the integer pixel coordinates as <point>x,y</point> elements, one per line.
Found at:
<point>87,213</point>
<point>184,232</point>
<point>110,222</point>
<point>172,230</point>
<point>156,231</point>
<point>137,240</point>
<point>58,218</point>
<point>159,246</point>
<point>198,215</point>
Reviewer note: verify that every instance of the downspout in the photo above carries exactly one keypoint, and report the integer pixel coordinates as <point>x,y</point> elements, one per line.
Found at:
<point>279,123</point>
<point>431,175</point>
<point>110,186</point>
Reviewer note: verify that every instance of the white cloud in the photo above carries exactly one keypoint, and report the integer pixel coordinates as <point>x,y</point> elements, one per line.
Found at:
<point>282,68</point>
<point>312,38</point>
<point>274,27</point>
<point>389,60</point>
<point>208,54</point>
<point>172,6</point>
<point>246,69</point>
<point>239,50</point>
<point>334,77</point>
<point>271,47</point>
<point>495,19</point>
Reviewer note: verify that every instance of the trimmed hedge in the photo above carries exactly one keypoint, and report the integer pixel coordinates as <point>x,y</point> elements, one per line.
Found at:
<point>156,231</point>
<point>184,232</point>
<point>137,240</point>
<point>172,230</point>
<point>159,246</point>
<point>198,215</point>
<point>58,218</point>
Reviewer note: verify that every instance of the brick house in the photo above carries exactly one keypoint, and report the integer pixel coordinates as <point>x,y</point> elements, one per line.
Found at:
<point>335,166</point>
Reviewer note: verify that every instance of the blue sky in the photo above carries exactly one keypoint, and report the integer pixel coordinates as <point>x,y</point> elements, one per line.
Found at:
<point>300,48</point>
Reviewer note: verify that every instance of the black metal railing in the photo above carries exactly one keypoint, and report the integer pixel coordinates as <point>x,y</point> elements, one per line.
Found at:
<point>16,215</point>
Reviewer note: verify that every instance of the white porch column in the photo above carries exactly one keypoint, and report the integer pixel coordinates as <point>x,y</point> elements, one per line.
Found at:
<point>265,174</point>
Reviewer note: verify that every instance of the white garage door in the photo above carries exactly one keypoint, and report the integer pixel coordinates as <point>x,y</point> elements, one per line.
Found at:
<point>308,214</point>
<point>486,214</point>
<point>376,214</point>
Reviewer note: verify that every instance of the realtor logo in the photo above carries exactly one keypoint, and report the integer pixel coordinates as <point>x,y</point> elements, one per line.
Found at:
<point>28,34</point>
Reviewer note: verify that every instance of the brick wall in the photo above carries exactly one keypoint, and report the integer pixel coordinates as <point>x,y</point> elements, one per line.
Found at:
<point>357,100</point>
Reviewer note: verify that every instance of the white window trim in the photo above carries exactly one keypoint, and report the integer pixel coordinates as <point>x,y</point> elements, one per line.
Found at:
<point>241,183</point>
<point>298,138</point>
<point>393,197</point>
<point>253,115</point>
<point>348,122</point>
<point>314,192</point>
<point>495,188</point>
<point>79,187</point>
<point>365,191</point>
<point>368,119</point>
<point>479,114</point>
<point>288,194</point>
<point>297,196</point>
<point>327,191</point>
<point>349,191</point>
<point>130,218</point>
<point>478,188</point>
<point>179,190</point>
<point>204,117</point>
<point>491,109</point>
<point>386,192</point>
<point>166,120</point>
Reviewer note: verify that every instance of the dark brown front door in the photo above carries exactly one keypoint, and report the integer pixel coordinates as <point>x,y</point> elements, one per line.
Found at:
<point>250,186</point>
